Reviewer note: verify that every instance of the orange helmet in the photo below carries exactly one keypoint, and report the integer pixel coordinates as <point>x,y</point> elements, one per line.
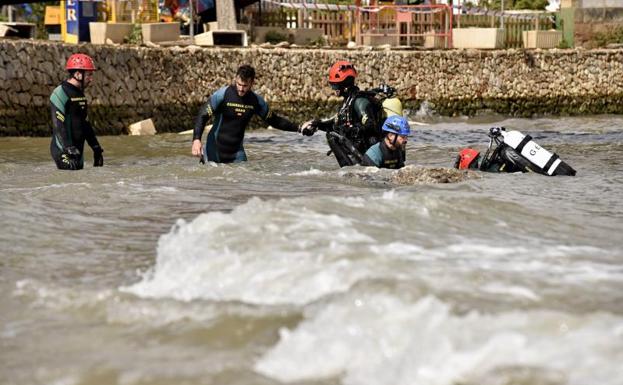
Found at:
<point>80,61</point>
<point>467,158</point>
<point>341,71</point>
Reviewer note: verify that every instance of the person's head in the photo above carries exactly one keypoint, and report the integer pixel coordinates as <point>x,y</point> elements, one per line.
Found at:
<point>80,68</point>
<point>342,76</point>
<point>397,131</point>
<point>468,158</point>
<point>245,76</point>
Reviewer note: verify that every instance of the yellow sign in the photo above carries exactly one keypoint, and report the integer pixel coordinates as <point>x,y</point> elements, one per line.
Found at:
<point>52,15</point>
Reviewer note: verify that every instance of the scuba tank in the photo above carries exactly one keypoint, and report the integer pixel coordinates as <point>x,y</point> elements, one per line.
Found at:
<point>540,160</point>
<point>389,102</point>
<point>392,106</point>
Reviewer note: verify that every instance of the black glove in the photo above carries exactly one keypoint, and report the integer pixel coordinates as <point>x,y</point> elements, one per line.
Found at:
<point>98,158</point>
<point>71,157</point>
<point>309,128</point>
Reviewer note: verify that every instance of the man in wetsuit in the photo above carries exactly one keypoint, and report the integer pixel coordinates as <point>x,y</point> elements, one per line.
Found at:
<point>233,107</point>
<point>356,126</point>
<point>70,127</point>
<point>390,152</point>
<point>507,156</point>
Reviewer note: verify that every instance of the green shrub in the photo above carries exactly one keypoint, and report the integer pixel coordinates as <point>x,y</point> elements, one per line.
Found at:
<point>614,36</point>
<point>136,36</point>
<point>273,37</point>
<point>318,42</point>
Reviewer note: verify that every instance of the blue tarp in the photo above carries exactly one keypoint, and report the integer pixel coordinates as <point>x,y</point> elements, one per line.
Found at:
<point>200,5</point>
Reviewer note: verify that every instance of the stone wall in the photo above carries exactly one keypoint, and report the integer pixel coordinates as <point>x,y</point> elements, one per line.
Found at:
<point>168,84</point>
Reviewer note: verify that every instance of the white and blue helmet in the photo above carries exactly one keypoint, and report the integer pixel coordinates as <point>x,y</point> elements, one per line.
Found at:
<point>397,124</point>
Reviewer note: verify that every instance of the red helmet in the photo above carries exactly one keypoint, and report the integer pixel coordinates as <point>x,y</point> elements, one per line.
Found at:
<point>80,61</point>
<point>467,158</point>
<point>341,71</point>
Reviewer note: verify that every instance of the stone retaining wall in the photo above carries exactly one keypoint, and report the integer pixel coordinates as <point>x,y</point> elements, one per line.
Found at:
<point>168,84</point>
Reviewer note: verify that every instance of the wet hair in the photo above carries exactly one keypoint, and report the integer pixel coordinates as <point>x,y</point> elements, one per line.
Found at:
<point>246,72</point>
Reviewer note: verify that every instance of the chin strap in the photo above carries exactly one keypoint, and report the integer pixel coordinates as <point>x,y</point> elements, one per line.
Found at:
<point>81,80</point>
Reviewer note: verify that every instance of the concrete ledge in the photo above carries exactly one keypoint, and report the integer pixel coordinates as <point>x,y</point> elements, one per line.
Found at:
<point>116,32</point>
<point>228,38</point>
<point>376,40</point>
<point>156,32</point>
<point>24,30</point>
<point>432,40</point>
<point>478,38</point>
<point>541,39</point>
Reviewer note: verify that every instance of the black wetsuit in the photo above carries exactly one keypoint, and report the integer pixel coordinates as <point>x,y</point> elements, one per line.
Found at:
<point>381,156</point>
<point>503,159</point>
<point>357,125</point>
<point>70,127</point>
<point>232,114</point>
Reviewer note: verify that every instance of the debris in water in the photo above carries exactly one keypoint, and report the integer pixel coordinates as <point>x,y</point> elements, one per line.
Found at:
<point>409,175</point>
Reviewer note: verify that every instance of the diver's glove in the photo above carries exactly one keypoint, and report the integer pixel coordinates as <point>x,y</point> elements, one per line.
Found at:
<point>98,158</point>
<point>71,157</point>
<point>309,128</point>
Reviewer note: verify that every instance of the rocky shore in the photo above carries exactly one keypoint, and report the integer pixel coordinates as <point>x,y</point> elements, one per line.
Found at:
<point>168,84</point>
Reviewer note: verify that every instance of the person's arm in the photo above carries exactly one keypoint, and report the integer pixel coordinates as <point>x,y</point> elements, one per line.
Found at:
<point>206,111</point>
<point>310,127</point>
<point>61,125</point>
<point>89,134</point>
<point>325,124</point>
<point>273,119</point>
<point>280,123</point>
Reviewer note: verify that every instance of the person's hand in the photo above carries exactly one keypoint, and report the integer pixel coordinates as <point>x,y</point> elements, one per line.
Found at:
<point>98,158</point>
<point>308,128</point>
<point>72,151</point>
<point>71,157</point>
<point>197,148</point>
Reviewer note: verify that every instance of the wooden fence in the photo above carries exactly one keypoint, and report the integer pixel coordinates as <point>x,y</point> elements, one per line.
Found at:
<point>337,26</point>
<point>342,25</point>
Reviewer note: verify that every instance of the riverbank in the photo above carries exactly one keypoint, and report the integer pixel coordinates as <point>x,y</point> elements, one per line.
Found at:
<point>168,84</point>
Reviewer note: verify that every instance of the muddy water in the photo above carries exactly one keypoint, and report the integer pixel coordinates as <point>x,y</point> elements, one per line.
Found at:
<point>158,270</point>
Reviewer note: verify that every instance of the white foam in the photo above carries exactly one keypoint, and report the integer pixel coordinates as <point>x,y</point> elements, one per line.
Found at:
<point>378,339</point>
<point>296,251</point>
<point>311,172</point>
<point>261,253</point>
<point>518,291</point>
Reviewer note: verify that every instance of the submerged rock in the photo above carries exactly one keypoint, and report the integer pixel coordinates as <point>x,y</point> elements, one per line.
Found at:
<point>410,175</point>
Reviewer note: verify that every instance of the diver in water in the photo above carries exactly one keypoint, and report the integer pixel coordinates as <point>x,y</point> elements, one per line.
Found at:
<point>70,127</point>
<point>391,151</point>
<point>233,107</point>
<point>512,151</point>
<point>357,125</point>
